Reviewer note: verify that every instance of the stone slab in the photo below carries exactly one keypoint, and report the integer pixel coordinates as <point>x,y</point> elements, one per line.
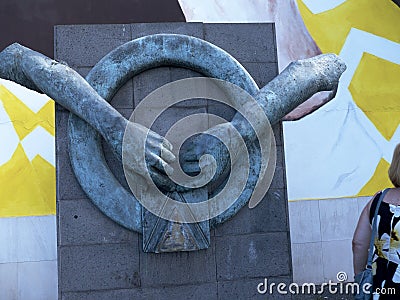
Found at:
<point>248,289</point>
<point>179,268</point>
<point>193,292</point>
<point>68,186</point>
<point>143,29</point>
<point>251,42</point>
<point>268,216</point>
<point>85,45</point>
<point>262,73</point>
<point>99,267</point>
<point>81,222</point>
<point>253,255</point>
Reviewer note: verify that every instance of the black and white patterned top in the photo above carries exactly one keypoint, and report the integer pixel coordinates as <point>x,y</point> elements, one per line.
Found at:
<point>386,259</point>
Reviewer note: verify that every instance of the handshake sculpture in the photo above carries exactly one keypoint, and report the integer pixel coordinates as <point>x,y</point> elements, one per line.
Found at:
<point>299,81</point>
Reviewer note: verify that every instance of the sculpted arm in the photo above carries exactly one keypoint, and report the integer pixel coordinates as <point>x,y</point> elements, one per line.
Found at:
<point>40,73</point>
<point>297,83</point>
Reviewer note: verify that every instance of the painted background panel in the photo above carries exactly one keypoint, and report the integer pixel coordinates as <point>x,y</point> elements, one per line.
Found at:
<point>28,247</point>
<point>344,148</point>
<point>27,158</point>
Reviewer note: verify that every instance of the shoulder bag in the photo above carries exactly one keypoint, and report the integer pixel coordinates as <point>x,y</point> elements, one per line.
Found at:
<point>365,278</point>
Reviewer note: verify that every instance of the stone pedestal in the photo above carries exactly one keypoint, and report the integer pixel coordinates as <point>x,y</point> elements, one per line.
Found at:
<point>99,259</point>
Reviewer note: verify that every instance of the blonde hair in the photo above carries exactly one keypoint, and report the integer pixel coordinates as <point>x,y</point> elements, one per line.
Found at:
<point>394,170</point>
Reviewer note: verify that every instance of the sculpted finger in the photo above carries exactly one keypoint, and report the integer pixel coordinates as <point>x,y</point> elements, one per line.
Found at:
<point>167,144</point>
<point>167,155</point>
<point>167,168</point>
<point>159,164</point>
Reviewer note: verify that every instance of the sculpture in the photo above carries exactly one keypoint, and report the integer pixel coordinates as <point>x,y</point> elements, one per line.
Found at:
<point>86,99</point>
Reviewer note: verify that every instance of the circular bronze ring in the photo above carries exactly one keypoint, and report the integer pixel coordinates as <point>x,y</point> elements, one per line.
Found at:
<point>106,77</point>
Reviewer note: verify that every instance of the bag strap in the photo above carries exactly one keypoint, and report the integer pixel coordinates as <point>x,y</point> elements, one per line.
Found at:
<point>373,207</point>
<point>371,242</point>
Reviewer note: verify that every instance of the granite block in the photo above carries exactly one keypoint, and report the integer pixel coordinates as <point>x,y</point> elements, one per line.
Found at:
<point>253,255</point>
<point>68,186</point>
<point>82,223</point>
<point>98,267</point>
<point>248,289</point>
<point>143,29</point>
<point>148,81</point>
<point>268,216</point>
<point>262,73</point>
<point>85,45</point>
<point>178,268</point>
<point>252,42</point>
<point>192,292</point>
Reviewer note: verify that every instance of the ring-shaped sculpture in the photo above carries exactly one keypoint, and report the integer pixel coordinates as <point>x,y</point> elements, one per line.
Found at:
<point>107,76</point>
<point>299,81</point>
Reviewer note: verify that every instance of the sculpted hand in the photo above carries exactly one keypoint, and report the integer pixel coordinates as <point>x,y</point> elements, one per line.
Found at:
<point>148,154</point>
<point>61,83</point>
<point>210,144</point>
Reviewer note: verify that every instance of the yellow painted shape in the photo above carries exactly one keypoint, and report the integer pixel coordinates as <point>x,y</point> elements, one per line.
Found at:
<point>47,116</point>
<point>46,180</point>
<point>330,28</point>
<point>26,189</point>
<point>379,180</point>
<point>374,86</point>
<point>375,89</point>
<point>24,119</point>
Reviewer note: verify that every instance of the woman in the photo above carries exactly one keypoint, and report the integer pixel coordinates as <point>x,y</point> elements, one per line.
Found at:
<point>386,257</point>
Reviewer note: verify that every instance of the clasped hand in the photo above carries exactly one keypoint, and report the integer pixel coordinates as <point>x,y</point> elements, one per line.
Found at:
<point>150,155</point>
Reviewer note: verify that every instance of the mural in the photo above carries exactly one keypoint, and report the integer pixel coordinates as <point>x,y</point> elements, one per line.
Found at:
<point>27,195</point>
<point>27,158</point>
<point>352,144</point>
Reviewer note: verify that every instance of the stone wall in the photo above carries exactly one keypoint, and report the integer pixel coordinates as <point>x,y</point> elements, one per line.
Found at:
<point>98,259</point>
